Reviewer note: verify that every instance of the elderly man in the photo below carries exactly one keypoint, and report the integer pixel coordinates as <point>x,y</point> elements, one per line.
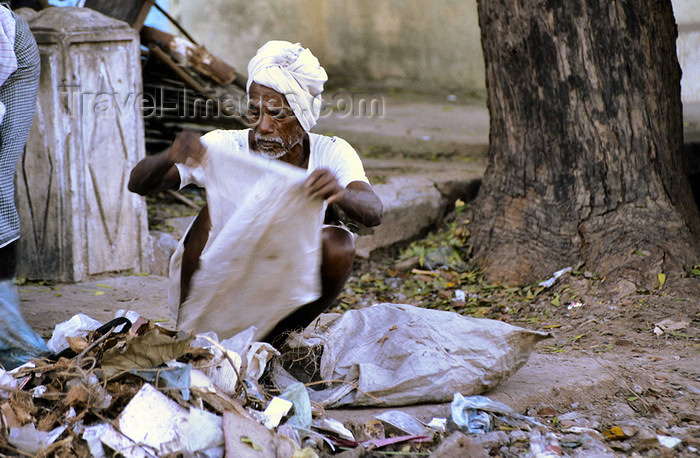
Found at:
<point>284,92</point>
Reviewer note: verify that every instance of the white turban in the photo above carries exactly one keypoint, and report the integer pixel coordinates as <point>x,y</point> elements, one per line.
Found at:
<point>293,71</point>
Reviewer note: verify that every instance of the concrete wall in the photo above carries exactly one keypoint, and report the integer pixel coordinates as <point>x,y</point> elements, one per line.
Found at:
<point>413,43</point>
<point>408,43</point>
<point>687,14</point>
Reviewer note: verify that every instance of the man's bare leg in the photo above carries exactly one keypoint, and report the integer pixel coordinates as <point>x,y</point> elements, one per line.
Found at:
<point>195,240</point>
<point>338,254</point>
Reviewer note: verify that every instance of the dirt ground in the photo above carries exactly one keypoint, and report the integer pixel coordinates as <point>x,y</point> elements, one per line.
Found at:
<point>620,371</point>
<point>640,352</point>
<point>647,342</point>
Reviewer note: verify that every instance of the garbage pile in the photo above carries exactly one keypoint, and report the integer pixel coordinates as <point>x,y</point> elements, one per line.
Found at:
<point>137,389</point>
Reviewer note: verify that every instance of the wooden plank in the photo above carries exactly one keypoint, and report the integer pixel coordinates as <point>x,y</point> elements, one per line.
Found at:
<point>195,56</point>
<point>133,12</point>
<point>143,12</point>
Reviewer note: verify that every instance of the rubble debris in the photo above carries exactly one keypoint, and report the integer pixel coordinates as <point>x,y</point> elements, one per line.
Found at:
<point>27,439</point>
<point>184,52</point>
<point>152,419</point>
<point>244,437</point>
<point>138,393</point>
<point>461,406</point>
<point>373,429</point>
<point>437,424</point>
<point>379,443</point>
<point>574,305</point>
<point>74,406</point>
<point>669,325</point>
<point>491,440</point>
<point>297,395</point>
<point>404,422</point>
<point>154,347</point>
<point>619,432</point>
<point>668,441</point>
<point>274,412</point>
<point>548,283</point>
<point>544,445</point>
<point>478,421</point>
<point>335,427</point>
<point>458,444</point>
<point>78,326</point>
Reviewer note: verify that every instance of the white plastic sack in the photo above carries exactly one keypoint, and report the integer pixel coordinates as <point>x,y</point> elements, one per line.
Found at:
<point>263,255</point>
<point>399,354</point>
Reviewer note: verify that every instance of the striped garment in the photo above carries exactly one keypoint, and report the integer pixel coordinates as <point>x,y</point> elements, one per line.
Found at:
<point>18,94</point>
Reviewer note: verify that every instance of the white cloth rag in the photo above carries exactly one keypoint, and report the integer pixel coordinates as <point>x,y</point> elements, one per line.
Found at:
<point>262,259</point>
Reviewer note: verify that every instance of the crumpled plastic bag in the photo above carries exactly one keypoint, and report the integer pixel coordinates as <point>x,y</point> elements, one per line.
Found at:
<point>396,354</point>
<point>297,395</point>
<point>463,410</point>
<point>30,440</point>
<point>18,341</point>
<point>249,358</point>
<point>263,255</point>
<point>78,325</point>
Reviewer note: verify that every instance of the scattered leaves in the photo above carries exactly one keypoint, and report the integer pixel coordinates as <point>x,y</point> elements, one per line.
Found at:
<point>157,346</point>
<point>662,279</point>
<point>249,441</point>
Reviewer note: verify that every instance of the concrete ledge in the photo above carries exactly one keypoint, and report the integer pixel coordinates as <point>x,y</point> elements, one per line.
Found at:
<point>410,205</point>
<point>415,203</point>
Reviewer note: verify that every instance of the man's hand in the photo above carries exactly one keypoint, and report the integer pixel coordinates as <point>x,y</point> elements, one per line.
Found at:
<point>158,172</point>
<point>187,149</point>
<point>322,184</point>
<point>358,200</point>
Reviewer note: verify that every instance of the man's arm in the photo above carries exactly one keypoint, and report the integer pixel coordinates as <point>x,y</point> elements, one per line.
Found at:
<point>357,200</point>
<point>158,172</point>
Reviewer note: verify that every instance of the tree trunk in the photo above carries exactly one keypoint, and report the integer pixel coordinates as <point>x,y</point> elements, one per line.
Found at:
<point>585,159</point>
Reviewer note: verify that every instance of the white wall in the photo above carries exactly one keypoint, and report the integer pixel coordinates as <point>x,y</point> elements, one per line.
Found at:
<point>687,14</point>
<point>407,43</point>
<point>392,42</point>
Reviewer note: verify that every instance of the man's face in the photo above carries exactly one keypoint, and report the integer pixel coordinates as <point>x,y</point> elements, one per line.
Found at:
<point>275,128</point>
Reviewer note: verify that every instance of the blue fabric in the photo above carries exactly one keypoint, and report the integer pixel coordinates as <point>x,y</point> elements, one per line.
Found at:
<point>18,342</point>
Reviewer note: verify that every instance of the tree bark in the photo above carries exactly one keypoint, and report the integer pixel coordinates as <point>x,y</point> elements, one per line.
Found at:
<point>585,159</point>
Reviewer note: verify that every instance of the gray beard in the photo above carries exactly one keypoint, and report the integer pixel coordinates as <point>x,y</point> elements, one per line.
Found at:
<point>270,154</point>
